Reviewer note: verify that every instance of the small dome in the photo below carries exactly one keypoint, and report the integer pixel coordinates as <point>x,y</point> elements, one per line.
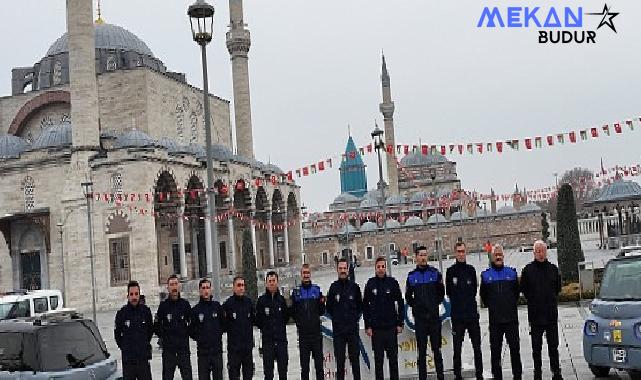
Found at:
<point>369,203</point>
<point>350,229</point>
<point>55,136</point>
<point>413,221</point>
<point>619,190</point>
<point>273,168</point>
<point>220,152</point>
<point>530,207</point>
<point>345,198</point>
<point>392,223</point>
<point>436,218</point>
<point>505,210</point>
<point>171,146</point>
<point>417,159</point>
<point>12,146</point>
<point>395,200</point>
<point>459,216</point>
<point>369,227</point>
<point>111,37</point>
<point>134,139</point>
<point>257,164</point>
<point>374,194</point>
<point>419,197</point>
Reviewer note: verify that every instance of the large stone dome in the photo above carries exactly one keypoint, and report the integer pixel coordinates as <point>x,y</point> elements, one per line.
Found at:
<point>418,159</point>
<point>108,36</point>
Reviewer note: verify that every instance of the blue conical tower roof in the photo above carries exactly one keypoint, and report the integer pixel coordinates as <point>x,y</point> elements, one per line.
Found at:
<point>353,177</point>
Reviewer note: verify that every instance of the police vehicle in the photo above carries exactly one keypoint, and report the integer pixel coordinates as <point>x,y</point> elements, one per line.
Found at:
<point>24,303</point>
<point>59,345</point>
<point>612,333</point>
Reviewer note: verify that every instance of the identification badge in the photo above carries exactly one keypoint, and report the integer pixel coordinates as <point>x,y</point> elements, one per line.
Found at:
<point>266,311</point>
<point>388,291</point>
<point>215,315</point>
<point>455,280</point>
<point>233,315</point>
<point>127,323</point>
<point>201,317</point>
<point>168,317</point>
<point>338,298</point>
<point>351,297</point>
<point>469,282</point>
<point>374,291</point>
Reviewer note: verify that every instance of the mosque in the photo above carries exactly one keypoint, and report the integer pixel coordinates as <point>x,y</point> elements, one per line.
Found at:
<point>101,108</point>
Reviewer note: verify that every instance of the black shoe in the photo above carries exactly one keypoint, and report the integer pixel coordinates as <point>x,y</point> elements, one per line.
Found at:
<point>538,375</point>
<point>557,376</point>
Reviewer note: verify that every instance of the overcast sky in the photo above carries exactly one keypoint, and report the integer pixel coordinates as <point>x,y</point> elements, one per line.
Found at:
<point>315,67</point>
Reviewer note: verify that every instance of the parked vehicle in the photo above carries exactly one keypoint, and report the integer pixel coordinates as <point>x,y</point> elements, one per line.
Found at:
<point>23,303</point>
<point>526,248</point>
<point>612,333</point>
<point>55,346</point>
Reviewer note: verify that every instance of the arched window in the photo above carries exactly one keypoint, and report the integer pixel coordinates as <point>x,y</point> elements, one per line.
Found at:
<point>28,187</point>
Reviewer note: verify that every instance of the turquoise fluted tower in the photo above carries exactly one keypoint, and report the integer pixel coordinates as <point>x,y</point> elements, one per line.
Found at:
<point>353,177</point>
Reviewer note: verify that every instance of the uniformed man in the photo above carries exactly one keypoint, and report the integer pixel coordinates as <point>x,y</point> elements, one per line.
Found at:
<point>206,328</point>
<point>172,326</point>
<point>500,292</point>
<point>461,288</point>
<point>272,314</point>
<point>133,331</point>
<point>345,306</point>
<point>384,315</point>
<point>308,304</point>
<point>424,292</point>
<point>239,324</point>
<point>541,284</point>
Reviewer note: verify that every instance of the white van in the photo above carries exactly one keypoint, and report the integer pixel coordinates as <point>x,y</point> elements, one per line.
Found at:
<point>32,303</point>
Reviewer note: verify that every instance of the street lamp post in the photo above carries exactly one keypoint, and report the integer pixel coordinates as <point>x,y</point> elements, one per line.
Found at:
<point>201,19</point>
<point>438,232</point>
<point>62,262</point>
<point>487,232</point>
<point>379,144</point>
<point>89,197</point>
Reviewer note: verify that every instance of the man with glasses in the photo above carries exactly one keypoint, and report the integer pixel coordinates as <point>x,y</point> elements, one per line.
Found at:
<point>239,325</point>
<point>308,304</point>
<point>206,328</point>
<point>461,285</point>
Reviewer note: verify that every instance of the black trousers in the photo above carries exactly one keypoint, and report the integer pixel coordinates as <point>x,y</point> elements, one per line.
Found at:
<point>314,346</point>
<point>171,360</point>
<point>275,351</point>
<point>210,366</point>
<point>136,371</point>
<point>431,330</point>
<point>351,340</point>
<point>511,332</point>
<point>552,336</point>
<point>458,335</point>
<point>240,360</point>
<point>385,341</point>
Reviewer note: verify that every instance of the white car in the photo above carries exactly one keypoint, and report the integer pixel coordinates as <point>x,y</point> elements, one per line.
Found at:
<point>23,303</point>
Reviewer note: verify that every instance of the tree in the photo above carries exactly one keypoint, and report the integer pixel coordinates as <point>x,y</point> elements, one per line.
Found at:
<point>545,227</point>
<point>568,241</point>
<point>582,182</point>
<point>249,267</point>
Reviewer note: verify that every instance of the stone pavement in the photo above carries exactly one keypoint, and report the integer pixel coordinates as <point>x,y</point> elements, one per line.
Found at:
<point>570,329</point>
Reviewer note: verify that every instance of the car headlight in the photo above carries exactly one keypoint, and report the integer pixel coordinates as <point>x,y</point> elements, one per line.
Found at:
<point>591,328</point>
<point>637,330</point>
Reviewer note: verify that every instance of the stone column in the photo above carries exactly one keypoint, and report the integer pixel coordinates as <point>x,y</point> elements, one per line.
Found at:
<point>209,250</point>
<point>252,229</point>
<point>270,240</point>
<point>286,234</point>
<point>194,248</point>
<point>232,243</point>
<point>181,242</point>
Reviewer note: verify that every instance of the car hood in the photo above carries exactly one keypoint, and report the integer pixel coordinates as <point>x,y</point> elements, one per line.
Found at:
<point>615,309</point>
<point>104,370</point>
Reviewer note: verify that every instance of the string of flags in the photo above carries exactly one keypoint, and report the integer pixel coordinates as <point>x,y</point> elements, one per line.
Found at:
<point>470,148</point>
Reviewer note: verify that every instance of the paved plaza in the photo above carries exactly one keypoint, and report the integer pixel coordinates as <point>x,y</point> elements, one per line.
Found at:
<point>571,318</point>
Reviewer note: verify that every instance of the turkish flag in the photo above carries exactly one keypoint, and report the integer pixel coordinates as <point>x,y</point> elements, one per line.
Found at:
<point>460,149</point>
<point>305,171</point>
<point>528,144</point>
<point>406,149</point>
<point>572,137</point>
<point>352,155</point>
<point>290,177</point>
<point>443,150</point>
<point>499,146</point>
<point>369,148</point>
<point>424,149</point>
<point>550,140</point>
<point>617,127</point>
<point>595,132</point>
<point>390,149</point>
<point>321,165</point>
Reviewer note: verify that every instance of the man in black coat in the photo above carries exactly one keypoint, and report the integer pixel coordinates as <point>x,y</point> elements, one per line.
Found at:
<point>172,326</point>
<point>133,331</point>
<point>384,315</point>
<point>345,306</point>
<point>424,292</point>
<point>461,286</point>
<point>500,292</point>
<point>541,284</point>
<point>272,314</point>
<point>308,304</point>
<point>239,325</point>
<point>206,328</point>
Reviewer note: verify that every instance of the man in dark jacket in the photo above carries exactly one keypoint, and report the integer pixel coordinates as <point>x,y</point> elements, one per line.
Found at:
<point>308,304</point>
<point>384,315</point>
<point>172,326</point>
<point>461,285</point>
<point>541,284</point>
<point>500,293</point>
<point>133,331</point>
<point>345,306</point>
<point>272,314</point>
<point>206,328</point>
<point>239,325</point>
<point>424,292</point>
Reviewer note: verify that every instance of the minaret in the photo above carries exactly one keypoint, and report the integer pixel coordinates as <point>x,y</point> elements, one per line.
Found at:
<point>387,109</point>
<point>238,43</point>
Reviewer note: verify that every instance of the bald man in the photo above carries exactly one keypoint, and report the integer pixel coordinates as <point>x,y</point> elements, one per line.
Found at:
<point>541,284</point>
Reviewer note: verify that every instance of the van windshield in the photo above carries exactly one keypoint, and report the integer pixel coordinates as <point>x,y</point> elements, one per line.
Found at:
<point>18,309</point>
<point>621,281</point>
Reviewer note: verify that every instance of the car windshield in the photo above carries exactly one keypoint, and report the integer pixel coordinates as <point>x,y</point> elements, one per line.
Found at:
<point>621,281</point>
<point>17,309</point>
<point>70,345</point>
